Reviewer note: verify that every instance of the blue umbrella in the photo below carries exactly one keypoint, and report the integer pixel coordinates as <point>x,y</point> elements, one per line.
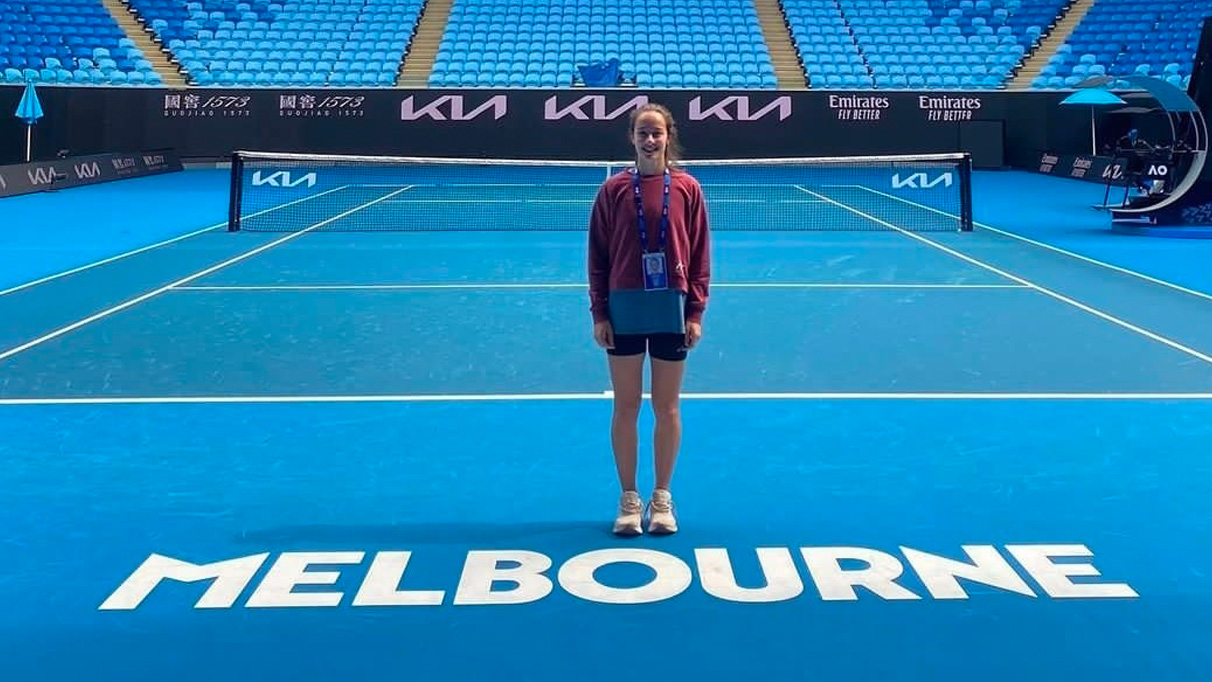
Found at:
<point>1093,96</point>
<point>29,109</point>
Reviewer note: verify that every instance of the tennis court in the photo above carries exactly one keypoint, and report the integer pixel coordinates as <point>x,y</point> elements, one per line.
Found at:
<point>367,435</point>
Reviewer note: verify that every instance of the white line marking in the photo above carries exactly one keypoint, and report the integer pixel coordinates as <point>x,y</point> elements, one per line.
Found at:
<point>580,202</point>
<point>202,273</point>
<point>566,185</point>
<point>508,185</point>
<point>1043,290</point>
<point>574,285</point>
<point>166,242</point>
<point>1085,259</point>
<point>602,395</point>
<point>111,259</point>
<point>587,201</point>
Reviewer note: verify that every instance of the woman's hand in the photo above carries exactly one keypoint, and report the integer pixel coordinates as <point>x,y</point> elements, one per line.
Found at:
<point>694,332</point>
<point>603,334</point>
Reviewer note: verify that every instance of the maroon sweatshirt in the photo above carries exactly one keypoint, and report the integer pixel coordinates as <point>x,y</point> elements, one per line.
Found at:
<point>614,240</point>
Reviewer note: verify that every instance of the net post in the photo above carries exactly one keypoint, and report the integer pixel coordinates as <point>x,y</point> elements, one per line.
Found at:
<point>965,173</point>
<point>234,196</point>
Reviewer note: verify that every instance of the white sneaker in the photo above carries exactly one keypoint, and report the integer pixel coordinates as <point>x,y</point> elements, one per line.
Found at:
<point>661,520</point>
<point>631,515</point>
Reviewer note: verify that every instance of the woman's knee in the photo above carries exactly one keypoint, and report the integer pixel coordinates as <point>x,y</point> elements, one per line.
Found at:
<point>666,409</point>
<point>627,380</point>
<point>627,406</point>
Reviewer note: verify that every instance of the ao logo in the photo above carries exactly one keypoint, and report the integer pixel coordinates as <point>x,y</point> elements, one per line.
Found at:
<point>283,179</point>
<point>921,181</point>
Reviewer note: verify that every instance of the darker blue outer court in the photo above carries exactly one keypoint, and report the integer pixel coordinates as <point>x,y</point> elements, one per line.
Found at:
<point>907,455</point>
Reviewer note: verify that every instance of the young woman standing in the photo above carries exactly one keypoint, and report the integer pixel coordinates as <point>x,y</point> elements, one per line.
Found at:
<point>649,272</point>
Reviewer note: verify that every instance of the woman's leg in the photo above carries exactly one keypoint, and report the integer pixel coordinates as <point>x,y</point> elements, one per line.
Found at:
<point>666,394</point>
<point>627,380</point>
<point>668,368</point>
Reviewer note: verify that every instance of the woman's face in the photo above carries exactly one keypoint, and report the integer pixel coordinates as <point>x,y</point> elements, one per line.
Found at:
<point>650,136</point>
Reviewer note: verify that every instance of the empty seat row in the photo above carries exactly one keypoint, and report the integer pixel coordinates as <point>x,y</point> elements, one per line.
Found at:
<point>708,37</point>
<point>1120,38</point>
<point>214,41</point>
<point>68,42</point>
<point>541,43</point>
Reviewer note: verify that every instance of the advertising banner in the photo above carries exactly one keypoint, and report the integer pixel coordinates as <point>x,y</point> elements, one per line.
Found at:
<point>78,171</point>
<point>1101,169</point>
<point>570,123</point>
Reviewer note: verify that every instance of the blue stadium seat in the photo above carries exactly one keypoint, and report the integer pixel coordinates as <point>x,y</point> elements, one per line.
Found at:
<point>842,44</point>
<point>829,53</point>
<point>317,43</point>
<point>970,44</point>
<point>68,42</point>
<point>1122,38</point>
<point>540,43</point>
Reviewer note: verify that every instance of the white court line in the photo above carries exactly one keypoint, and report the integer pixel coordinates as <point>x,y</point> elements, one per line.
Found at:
<point>511,185</point>
<point>111,259</point>
<point>558,185</point>
<point>1050,247</point>
<point>166,242</point>
<point>579,202</point>
<point>201,273</point>
<point>1043,290</point>
<point>602,395</point>
<point>573,285</point>
<point>586,201</point>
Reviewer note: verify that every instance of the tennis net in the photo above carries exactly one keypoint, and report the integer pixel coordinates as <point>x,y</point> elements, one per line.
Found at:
<point>283,192</point>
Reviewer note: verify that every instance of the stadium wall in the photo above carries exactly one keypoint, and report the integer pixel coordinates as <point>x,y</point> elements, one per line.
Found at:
<point>1000,128</point>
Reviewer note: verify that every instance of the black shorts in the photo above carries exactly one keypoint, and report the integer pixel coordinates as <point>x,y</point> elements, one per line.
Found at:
<point>671,347</point>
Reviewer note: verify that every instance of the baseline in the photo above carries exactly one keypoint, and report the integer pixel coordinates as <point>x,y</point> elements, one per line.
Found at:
<point>602,395</point>
<point>583,202</point>
<point>581,285</point>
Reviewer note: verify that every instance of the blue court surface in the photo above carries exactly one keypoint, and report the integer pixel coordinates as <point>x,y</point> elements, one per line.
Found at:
<point>318,455</point>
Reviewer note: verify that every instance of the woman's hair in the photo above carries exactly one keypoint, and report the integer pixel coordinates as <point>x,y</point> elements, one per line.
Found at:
<point>673,146</point>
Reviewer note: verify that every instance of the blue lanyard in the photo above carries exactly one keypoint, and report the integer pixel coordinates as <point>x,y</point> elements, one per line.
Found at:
<point>639,211</point>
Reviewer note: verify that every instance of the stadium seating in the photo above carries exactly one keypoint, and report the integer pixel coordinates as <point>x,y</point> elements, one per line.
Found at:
<point>854,44</point>
<point>830,55</point>
<point>915,43</point>
<point>68,41</point>
<point>540,43</point>
<point>293,42</point>
<point>1119,38</point>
